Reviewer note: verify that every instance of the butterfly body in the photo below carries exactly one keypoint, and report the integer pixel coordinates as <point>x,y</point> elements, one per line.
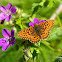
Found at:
<point>37,29</point>
<point>38,32</point>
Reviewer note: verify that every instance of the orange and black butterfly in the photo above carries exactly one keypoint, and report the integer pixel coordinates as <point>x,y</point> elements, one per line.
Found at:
<point>38,32</point>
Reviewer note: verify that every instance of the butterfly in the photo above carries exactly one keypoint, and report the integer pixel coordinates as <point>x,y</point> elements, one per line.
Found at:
<point>38,32</point>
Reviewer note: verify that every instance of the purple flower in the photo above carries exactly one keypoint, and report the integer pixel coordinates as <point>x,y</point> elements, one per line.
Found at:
<point>7,11</point>
<point>36,21</point>
<point>8,39</point>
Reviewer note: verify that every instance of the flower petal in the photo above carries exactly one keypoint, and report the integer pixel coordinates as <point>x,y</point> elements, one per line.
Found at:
<point>8,18</point>
<point>31,24</point>
<point>6,33</point>
<point>13,10</point>
<point>5,46</point>
<point>2,16</point>
<point>3,8</point>
<point>12,32</point>
<point>42,21</point>
<point>2,41</point>
<point>36,21</point>
<point>13,41</point>
<point>9,5</point>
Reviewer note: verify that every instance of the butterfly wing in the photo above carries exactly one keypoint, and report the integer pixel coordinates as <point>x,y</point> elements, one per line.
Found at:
<point>29,34</point>
<point>45,28</point>
<point>34,38</point>
<point>44,34</point>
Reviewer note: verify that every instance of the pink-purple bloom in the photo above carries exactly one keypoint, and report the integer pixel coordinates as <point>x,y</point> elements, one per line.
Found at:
<point>36,21</point>
<point>7,11</point>
<point>8,39</point>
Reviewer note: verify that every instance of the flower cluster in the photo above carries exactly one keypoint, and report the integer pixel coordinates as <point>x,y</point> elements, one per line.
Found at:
<point>7,11</point>
<point>36,21</point>
<point>8,39</point>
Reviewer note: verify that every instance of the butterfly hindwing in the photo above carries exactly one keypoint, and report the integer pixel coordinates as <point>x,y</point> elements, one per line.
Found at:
<point>34,38</point>
<point>44,34</point>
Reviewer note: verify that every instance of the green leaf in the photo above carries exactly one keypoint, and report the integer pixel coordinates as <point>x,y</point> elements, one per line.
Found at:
<point>55,33</point>
<point>51,3</point>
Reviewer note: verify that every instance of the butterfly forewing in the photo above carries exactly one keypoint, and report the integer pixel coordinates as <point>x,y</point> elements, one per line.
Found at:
<point>47,25</point>
<point>45,28</point>
<point>26,33</point>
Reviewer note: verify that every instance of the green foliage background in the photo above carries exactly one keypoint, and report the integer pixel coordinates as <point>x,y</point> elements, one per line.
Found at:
<point>46,50</point>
